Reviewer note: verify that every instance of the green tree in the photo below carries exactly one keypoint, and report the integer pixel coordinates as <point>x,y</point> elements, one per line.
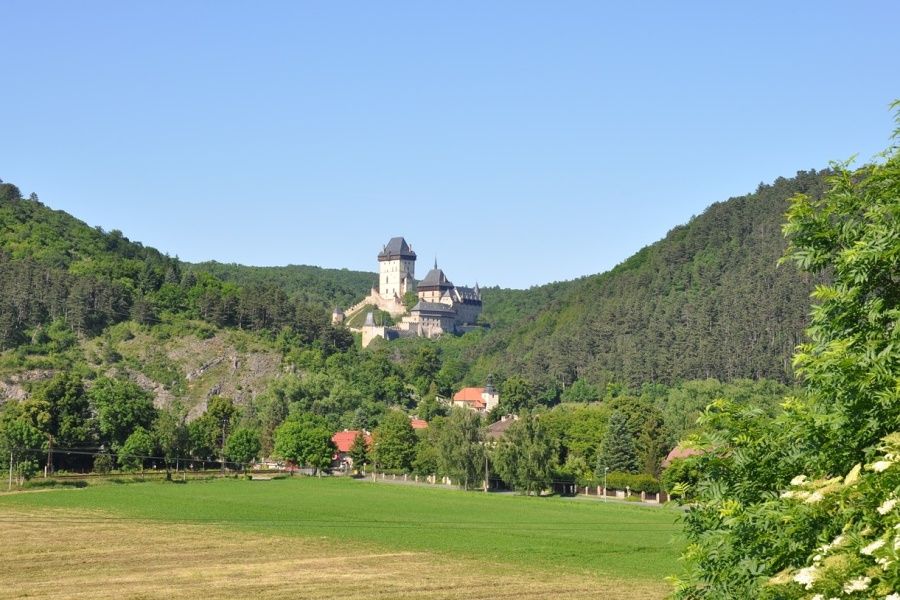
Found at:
<point>524,457</point>
<point>617,452</point>
<point>802,505</point>
<point>581,391</point>
<point>394,443</point>
<point>359,452</point>
<point>60,409</point>
<point>305,440</point>
<point>243,446</point>
<point>171,436</point>
<point>120,407</point>
<point>516,394</point>
<point>20,442</point>
<point>136,449</point>
<point>461,448</point>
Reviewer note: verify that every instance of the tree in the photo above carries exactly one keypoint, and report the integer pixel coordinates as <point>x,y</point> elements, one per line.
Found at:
<point>524,456</point>
<point>120,407</point>
<point>136,449</point>
<point>209,432</point>
<point>803,505</point>
<point>394,443</point>
<point>61,411</point>
<point>22,443</point>
<point>516,394</point>
<point>305,440</point>
<point>460,447</point>
<point>243,446</point>
<point>171,436</point>
<point>617,452</point>
<point>359,452</point>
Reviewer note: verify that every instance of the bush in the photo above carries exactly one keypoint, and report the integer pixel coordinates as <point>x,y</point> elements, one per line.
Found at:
<point>636,482</point>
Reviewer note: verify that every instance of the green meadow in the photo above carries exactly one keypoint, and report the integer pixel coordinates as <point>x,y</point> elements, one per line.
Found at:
<point>558,535</point>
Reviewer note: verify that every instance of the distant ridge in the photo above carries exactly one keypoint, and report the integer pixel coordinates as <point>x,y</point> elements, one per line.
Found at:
<point>708,300</point>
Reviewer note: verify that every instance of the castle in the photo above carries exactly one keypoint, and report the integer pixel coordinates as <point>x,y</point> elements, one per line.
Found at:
<point>441,307</point>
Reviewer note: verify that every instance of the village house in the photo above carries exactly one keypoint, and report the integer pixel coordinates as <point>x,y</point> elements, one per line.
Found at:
<point>479,399</point>
<point>343,442</point>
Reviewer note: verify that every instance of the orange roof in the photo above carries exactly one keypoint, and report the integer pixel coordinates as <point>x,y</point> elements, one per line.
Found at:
<point>418,423</point>
<point>344,439</point>
<point>470,395</point>
<point>680,452</point>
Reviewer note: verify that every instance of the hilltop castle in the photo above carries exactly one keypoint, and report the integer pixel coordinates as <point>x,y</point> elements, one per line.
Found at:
<point>441,308</point>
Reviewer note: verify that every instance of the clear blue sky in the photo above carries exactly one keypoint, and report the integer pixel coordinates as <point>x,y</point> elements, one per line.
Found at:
<point>519,142</point>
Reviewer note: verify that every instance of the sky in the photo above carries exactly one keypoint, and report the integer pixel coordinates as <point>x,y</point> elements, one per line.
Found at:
<point>518,143</point>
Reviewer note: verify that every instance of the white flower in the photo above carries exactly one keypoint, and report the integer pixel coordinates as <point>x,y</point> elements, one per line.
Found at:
<point>798,480</point>
<point>806,576</point>
<point>887,506</point>
<point>814,497</point>
<point>818,597</point>
<point>860,584</point>
<point>817,558</point>
<point>868,550</point>
<point>894,596</point>
<point>881,465</point>
<point>787,494</point>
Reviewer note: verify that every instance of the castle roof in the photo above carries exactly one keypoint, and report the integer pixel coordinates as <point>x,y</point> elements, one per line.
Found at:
<point>397,248</point>
<point>468,294</point>
<point>433,307</point>
<point>435,279</point>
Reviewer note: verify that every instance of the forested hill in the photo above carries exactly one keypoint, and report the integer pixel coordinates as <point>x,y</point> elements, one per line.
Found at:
<point>708,300</point>
<point>58,271</point>
<point>314,285</point>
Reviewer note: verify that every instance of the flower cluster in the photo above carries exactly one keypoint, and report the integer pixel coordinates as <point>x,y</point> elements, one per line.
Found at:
<point>863,561</point>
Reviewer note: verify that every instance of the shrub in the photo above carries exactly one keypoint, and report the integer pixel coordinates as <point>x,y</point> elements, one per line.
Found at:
<point>636,482</point>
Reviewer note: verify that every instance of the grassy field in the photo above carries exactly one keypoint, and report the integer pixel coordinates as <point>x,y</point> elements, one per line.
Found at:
<point>315,538</point>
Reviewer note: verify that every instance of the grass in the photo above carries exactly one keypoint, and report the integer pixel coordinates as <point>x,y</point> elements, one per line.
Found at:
<point>465,540</point>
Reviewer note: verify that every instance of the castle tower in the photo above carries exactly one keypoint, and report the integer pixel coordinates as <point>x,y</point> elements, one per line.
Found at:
<point>435,286</point>
<point>396,269</point>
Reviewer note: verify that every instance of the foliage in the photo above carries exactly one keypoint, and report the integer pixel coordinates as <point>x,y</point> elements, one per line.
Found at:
<point>136,449</point>
<point>617,452</point>
<point>243,446</point>
<point>359,451</point>
<point>20,443</point>
<point>802,505</point>
<point>524,456</point>
<point>305,440</point>
<point>394,443</point>
<point>706,301</point>
<point>460,448</point>
<point>636,482</point>
<point>120,406</point>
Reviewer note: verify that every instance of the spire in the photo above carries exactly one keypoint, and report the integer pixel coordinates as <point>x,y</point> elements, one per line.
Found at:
<point>435,261</point>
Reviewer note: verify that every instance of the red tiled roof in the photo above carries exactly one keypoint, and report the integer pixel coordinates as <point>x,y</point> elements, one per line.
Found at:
<point>680,452</point>
<point>470,395</point>
<point>344,439</point>
<point>418,423</point>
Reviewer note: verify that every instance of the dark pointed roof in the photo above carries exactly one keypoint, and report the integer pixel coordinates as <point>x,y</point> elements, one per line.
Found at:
<point>397,248</point>
<point>435,279</point>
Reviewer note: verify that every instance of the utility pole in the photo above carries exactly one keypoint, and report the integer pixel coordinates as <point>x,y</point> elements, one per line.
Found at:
<point>486,480</point>
<point>224,421</point>
<point>49,470</point>
<point>10,469</point>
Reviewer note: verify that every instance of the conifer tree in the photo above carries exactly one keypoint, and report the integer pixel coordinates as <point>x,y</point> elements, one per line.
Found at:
<point>617,452</point>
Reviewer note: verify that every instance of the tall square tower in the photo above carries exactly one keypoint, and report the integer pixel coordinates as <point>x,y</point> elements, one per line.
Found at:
<point>396,269</point>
